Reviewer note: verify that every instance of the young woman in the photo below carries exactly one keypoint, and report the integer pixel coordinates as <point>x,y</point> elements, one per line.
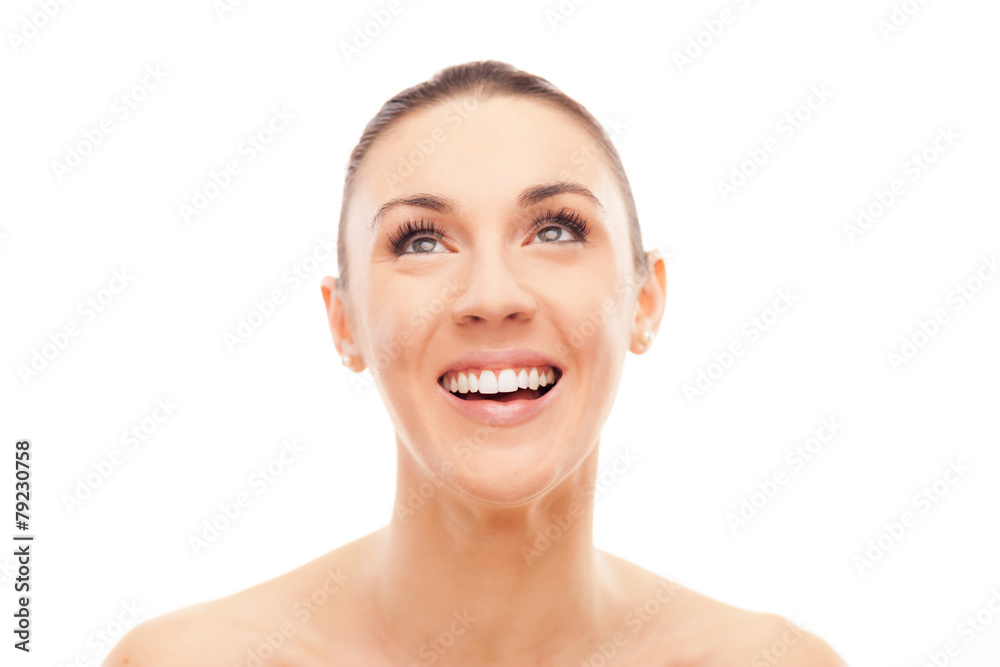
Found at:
<point>492,278</point>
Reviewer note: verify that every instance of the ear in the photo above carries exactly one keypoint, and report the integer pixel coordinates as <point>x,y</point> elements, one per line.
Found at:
<point>336,314</point>
<point>650,303</point>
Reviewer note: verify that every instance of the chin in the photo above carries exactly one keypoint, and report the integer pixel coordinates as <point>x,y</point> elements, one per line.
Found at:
<point>501,493</point>
<point>507,477</point>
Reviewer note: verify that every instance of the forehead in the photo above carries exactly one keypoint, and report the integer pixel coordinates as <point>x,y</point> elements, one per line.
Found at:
<point>482,154</point>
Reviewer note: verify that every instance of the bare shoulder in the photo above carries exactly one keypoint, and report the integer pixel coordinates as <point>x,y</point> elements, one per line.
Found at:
<point>274,621</point>
<point>772,638</point>
<point>684,627</point>
<point>721,633</point>
<point>199,635</point>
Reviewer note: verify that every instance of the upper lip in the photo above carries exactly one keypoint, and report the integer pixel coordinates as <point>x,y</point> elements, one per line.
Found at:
<point>499,359</point>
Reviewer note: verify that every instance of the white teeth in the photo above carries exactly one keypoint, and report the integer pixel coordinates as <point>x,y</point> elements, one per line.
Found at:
<point>488,383</point>
<point>507,380</point>
<point>499,381</point>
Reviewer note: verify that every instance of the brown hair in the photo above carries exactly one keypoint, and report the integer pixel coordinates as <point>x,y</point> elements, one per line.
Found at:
<point>483,79</point>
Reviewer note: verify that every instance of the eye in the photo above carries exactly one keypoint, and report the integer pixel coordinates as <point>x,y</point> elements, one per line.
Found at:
<point>567,219</point>
<point>422,235</point>
<point>551,233</point>
<point>423,244</point>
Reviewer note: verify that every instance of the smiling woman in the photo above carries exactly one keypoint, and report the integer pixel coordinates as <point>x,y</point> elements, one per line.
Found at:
<point>497,282</point>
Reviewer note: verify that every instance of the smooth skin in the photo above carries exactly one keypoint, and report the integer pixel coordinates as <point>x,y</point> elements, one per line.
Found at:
<point>464,579</point>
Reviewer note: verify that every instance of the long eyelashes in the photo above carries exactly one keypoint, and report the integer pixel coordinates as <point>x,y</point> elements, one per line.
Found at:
<point>408,230</point>
<point>397,241</point>
<point>566,217</point>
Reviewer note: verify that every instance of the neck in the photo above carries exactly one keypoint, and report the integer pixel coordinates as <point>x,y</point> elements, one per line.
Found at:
<point>468,582</point>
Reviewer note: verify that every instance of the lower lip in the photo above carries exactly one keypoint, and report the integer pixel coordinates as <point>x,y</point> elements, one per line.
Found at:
<point>503,414</point>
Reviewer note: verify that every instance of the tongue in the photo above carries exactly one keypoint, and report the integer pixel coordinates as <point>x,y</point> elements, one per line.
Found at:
<point>503,397</point>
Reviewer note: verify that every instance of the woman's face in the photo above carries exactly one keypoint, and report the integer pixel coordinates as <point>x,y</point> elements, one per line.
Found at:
<point>487,279</point>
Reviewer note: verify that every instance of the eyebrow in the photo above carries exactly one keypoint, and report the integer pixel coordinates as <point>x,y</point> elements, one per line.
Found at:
<point>528,197</point>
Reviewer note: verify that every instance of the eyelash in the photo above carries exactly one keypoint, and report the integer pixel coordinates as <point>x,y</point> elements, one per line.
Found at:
<point>398,241</point>
<point>566,217</point>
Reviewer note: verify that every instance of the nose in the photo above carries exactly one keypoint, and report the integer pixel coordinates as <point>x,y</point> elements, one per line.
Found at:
<point>494,294</point>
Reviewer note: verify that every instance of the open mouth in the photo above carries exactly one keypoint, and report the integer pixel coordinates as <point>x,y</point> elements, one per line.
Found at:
<point>502,386</point>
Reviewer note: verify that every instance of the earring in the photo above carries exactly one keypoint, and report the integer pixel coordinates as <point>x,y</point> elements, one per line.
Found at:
<point>647,337</point>
<point>347,359</point>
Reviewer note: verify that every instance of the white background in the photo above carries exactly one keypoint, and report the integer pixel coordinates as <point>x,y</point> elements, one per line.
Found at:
<point>685,127</point>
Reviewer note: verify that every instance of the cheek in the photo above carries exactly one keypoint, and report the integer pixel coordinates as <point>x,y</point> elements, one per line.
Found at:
<point>387,331</point>
<point>400,316</point>
<point>596,315</point>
